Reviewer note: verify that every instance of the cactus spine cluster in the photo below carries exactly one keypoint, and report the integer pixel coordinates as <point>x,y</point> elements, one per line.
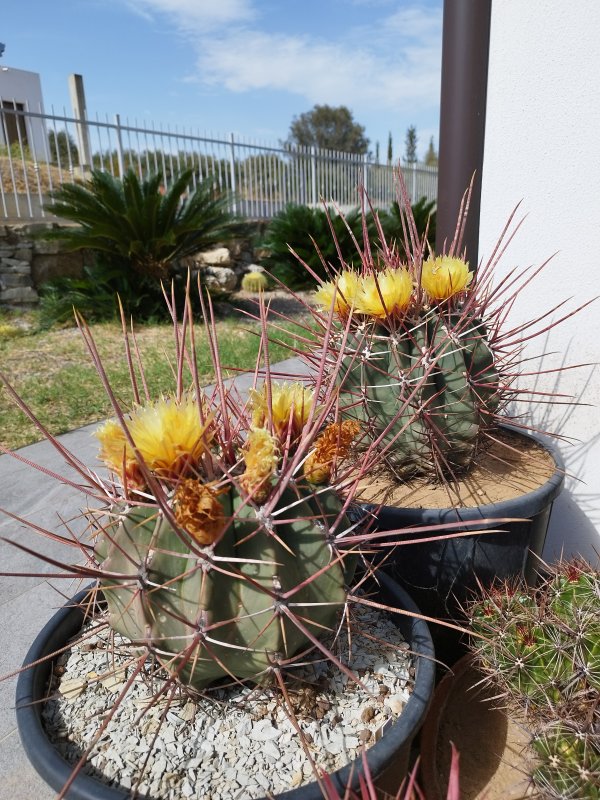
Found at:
<point>255,282</point>
<point>542,650</point>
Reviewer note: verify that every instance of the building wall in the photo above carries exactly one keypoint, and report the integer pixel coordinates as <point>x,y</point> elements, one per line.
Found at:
<point>541,147</point>
<point>22,87</point>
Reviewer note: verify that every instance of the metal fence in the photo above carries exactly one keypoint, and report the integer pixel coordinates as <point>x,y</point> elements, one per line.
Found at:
<point>39,152</point>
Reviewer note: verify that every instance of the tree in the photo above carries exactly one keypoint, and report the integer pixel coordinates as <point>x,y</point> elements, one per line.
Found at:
<point>62,146</point>
<point>330,127</point>
<point>390,153</point>
<point>377,152</point>
<point>431,156</point>
<point>410,144</point>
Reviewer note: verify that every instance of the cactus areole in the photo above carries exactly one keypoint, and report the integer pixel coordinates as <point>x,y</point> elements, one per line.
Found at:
<point>223,611</point>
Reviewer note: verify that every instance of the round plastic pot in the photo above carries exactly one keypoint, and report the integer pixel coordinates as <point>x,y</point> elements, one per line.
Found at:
<point>387,759</point>
<point>440,575</point>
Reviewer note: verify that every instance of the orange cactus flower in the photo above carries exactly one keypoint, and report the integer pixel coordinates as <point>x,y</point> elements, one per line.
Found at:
<point>198,510</point>
<point>333,444</point>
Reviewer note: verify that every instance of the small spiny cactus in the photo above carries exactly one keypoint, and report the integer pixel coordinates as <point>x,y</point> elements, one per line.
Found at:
<point>541,649</point>
<point>255,282</point>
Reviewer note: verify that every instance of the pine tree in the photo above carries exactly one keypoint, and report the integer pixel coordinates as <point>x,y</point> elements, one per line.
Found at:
<point>410,144</point>
<point>390,154</point>
<point>431,156</point>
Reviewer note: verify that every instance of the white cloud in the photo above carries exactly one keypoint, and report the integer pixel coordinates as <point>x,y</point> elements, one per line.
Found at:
<point>198,16</point>
<point>391,70</point>
<point>391,63</point>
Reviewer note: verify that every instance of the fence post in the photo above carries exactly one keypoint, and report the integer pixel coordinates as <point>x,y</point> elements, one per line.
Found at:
<point>232,171</point>
<point>413,196</point>
<point>313,174</point>
<point>120,161</point>
<point>365,172</point>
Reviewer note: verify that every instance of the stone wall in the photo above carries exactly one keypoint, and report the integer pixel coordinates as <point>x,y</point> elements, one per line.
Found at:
<point>27,261</point>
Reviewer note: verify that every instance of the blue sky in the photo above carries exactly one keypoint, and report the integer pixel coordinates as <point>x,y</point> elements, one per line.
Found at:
<point>246,66</point>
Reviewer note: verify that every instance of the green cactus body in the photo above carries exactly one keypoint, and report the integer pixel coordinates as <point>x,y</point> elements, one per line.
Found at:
<point>426,393</point>
<point>542,651</point>
<point>209,622</point>
<point>569,765</point>
<point>255,282</point>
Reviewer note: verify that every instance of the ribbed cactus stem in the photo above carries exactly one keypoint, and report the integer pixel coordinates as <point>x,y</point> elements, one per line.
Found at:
<point>426,394</point>
<point>226,610</point>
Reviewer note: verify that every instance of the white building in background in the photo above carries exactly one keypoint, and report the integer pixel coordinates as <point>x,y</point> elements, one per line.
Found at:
<point>21,90</point>
<point>541,147</point>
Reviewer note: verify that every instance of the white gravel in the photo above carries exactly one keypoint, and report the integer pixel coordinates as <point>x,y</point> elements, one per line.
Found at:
<point>234,743</point>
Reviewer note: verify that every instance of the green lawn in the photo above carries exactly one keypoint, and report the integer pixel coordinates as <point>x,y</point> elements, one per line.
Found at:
<point>51,370</point>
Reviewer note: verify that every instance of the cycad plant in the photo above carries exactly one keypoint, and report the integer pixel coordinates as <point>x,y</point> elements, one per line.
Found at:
<point>139,223</point>
<point>540,650</point>
<point>136,230</point>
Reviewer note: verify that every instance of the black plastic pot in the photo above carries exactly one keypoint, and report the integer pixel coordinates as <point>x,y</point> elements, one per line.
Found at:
<point>441,575</point>
<point>389,754</point>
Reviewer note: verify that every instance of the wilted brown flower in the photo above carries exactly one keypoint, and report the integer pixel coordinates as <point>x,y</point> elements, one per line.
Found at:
<point>198,510</point>
<point>331,445</point>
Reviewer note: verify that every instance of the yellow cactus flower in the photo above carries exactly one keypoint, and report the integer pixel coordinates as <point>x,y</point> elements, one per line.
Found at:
<point>198,510</point>
<point>168,434</point>
<point>261,454</point>
<point>344,289</point>
<point>114,447</point>
<point>290,407</point>
<point>333,444</point>
<point>443,277</point>
<point>385,293</point>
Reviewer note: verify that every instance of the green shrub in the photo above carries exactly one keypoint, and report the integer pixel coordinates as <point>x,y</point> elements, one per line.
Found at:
<point>307,231</point>
<point>137,232</point>
<point>423,213</point>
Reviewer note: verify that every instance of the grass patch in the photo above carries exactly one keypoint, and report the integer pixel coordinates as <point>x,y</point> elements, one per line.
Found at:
<point>52,371</point>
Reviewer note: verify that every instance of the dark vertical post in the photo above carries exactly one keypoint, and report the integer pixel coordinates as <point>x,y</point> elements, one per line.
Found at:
<point>465,56</point>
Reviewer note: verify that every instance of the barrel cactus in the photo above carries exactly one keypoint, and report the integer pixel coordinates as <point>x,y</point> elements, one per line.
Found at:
<point>255,282</point>
<point>418,368</point>
<point>207,577</point>
<point>541,650</point>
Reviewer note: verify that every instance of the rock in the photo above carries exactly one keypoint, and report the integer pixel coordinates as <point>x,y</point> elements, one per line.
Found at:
<point>220,256</point>
<point>220,281</point>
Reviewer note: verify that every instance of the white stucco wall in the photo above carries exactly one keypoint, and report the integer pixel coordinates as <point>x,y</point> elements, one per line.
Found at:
<point>22,86</point>
<point>542,146</point>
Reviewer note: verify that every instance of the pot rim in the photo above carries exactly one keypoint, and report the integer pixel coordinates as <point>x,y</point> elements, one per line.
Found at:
<point>66,622</point>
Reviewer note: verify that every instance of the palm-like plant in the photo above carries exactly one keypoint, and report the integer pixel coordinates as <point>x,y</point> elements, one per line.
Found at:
<point>137,223</point>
